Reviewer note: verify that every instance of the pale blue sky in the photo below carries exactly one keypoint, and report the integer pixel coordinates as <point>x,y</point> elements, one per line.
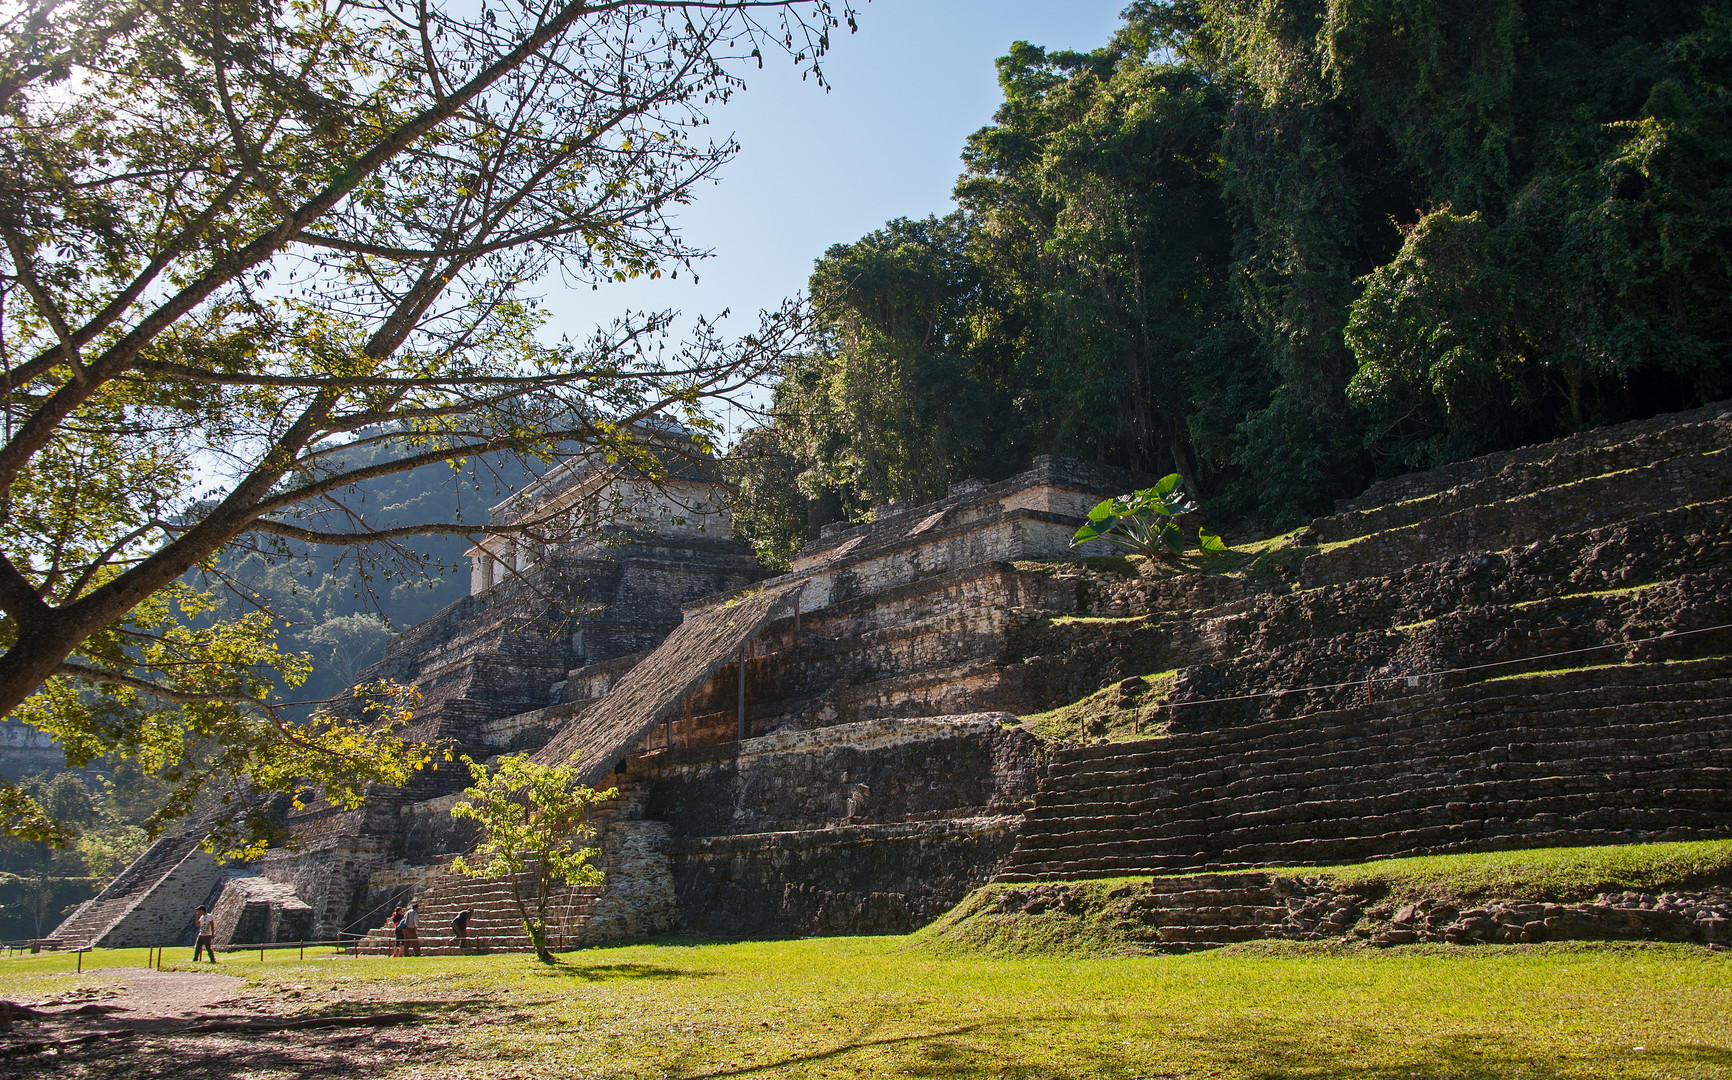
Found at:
<point>819,168</point>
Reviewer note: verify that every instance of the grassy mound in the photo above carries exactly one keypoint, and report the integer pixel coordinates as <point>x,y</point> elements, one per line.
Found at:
<point>1127,709</point>
<point>1066,917</point>
<point>1087,916</point>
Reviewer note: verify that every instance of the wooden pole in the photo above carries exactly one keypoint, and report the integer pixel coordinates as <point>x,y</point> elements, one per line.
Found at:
<point>688,721</point>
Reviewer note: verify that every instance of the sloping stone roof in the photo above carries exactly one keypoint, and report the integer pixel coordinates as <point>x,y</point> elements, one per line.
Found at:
<point>708,639</point>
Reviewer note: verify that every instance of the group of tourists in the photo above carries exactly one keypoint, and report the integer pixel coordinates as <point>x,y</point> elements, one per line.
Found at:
<point>405,928</point>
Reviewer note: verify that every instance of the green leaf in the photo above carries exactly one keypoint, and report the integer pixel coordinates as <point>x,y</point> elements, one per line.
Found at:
<point>1173,538</point>
<point>1102,511</point>
<point>1166,485</point>
<point>1210,542</point>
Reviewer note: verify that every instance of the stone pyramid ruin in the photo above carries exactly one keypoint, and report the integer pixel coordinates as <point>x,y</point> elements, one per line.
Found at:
<point>1525,649</point>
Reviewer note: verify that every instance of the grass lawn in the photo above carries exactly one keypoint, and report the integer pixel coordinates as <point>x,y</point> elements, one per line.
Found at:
<point>891,1007</point>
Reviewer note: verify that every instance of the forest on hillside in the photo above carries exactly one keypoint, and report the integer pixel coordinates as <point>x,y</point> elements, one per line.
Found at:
<point>1282,248</point>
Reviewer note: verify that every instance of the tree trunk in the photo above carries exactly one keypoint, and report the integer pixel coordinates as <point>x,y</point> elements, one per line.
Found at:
<point>538,938</point>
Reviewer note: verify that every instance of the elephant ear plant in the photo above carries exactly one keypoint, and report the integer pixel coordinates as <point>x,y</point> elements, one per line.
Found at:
<point>1142,522</point>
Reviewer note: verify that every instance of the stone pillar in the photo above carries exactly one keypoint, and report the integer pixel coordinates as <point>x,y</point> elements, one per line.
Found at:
<point>480,572</point>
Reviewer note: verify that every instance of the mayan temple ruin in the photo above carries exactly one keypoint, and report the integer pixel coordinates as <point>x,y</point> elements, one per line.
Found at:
<point>1519,650</point>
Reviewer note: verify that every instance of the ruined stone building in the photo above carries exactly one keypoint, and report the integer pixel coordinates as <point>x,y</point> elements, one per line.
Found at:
<point>1525,649</point>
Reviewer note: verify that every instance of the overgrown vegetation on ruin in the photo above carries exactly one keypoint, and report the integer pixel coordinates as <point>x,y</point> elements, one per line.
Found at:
<point>1128,709</point>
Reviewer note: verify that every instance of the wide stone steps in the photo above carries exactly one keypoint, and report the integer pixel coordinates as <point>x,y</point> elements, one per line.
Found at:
<point>1341,841</point>
<point>1477,749</point>
<point>1658,435</point>
<point>1695,685</point>
<point>1346,817</point>
<point>495,924</point>
<point>1386,768</point>
<point>1569,466</point>
<point>1550,758</point>
<point>1526,519</point>
<point>1280,797</point>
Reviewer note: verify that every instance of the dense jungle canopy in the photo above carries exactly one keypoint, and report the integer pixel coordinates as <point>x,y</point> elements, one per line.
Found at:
<point>1283,248</point>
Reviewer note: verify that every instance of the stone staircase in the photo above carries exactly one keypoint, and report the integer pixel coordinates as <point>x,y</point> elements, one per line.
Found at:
<point>150,903</point>
<point>1637,752</point>
<point>1210,910</point>
<point>1510,511</point>
<point>494,922</point>
<point>1622,446</point>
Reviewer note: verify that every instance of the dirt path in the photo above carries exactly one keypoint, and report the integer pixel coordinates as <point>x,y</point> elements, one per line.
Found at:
<point>153,996</point>
<point>136,1023</point>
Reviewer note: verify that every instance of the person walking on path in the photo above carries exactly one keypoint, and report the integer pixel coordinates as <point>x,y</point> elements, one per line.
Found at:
<point>460,929</point>
<point>397,931</point>
<point>412,932</point>
<point>204,935</point>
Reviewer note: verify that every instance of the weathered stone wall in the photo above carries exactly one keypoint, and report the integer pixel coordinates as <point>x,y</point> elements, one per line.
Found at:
<point>683,509</point>
<point>1029,515</point>
<point>872,827</point>
<point>257,911</point>
<point>931,647</point>
<point>333,874</point>
<point>872,771</point>
<point>25,751</point>
<point>865,879</point>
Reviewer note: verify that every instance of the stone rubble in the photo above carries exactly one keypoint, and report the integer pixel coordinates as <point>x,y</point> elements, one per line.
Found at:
<point>1703,916</point>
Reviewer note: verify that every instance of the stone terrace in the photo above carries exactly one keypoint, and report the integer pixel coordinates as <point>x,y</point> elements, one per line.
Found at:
<point>1610,553</point>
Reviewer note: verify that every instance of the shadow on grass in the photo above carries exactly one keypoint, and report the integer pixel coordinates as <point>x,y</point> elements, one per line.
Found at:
<point>1021,1049</point>
<point>565,969</point>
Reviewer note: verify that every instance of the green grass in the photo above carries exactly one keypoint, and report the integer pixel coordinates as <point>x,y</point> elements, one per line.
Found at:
<point>1599,667</point>
<point>1065,1006</point>
<point>1560,875</point>
<point>870,1007</point>
<point>60,963</point>
<point>1112,713</point>
<point>1091,921</point>
<point>1095,620</point>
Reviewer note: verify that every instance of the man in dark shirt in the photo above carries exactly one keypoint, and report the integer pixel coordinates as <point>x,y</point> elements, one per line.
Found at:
<point>460,928</point>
